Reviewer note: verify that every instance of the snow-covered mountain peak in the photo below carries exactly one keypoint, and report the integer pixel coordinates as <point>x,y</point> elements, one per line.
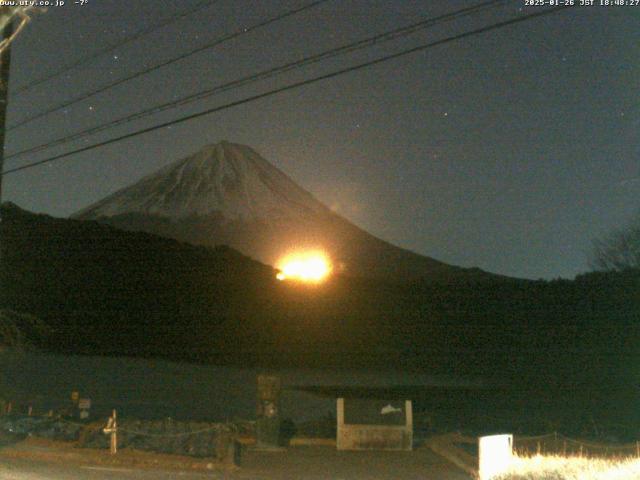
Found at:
<point>227,194</point>
<point>224,178</point>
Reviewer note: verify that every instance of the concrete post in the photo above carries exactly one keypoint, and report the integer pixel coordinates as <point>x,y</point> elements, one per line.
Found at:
<point>268,414</point>
<point>495,452</point>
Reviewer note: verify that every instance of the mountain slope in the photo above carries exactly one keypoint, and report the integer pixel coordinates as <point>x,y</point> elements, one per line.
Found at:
<point>228,194</point>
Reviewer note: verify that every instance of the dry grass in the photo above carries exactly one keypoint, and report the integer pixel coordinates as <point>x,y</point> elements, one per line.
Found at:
<point>550,467</point>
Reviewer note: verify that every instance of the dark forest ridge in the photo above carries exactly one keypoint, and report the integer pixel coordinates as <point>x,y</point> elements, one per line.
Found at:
<point>105,291</point>
<point>110,291</point>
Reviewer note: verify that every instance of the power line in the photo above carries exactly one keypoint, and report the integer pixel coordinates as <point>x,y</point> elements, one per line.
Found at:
<point>292,86</point>
<point>215,43</point>
<point>344,49</point>
<point>130,39</point>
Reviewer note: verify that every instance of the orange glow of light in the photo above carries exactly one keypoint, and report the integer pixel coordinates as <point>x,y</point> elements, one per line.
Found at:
<point>311,267</point>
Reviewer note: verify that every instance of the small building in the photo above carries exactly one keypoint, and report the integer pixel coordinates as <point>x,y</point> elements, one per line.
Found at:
<point>374,423</point>
<point>371,417</point>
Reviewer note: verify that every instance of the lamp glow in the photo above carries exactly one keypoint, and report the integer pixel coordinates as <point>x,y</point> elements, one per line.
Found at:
<point>311,267</point>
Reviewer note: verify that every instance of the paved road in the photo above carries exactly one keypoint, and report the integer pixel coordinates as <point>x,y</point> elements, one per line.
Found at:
<point>326,463</point>
<point>301,463</point>
<point>20,469</point>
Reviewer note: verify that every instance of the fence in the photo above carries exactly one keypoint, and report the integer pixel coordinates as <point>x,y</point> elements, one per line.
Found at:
<point>558,444</point>
<point>462,450</point>
<point>198,439</point>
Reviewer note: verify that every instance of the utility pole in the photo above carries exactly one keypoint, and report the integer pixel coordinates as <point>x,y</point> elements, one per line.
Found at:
<point>5,64</point>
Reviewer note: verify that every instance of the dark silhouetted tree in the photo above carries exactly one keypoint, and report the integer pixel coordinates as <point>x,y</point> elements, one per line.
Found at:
<point>619,250</point>
<point>21,330</point>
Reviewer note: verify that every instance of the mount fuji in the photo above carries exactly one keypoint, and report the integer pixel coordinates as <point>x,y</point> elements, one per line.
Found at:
<point>228,194</point>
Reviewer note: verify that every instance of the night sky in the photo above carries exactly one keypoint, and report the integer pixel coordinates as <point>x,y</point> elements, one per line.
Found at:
<point>510,151</point>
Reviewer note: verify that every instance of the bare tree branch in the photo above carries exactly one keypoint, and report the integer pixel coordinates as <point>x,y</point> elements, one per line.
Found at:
<point>620,250</point>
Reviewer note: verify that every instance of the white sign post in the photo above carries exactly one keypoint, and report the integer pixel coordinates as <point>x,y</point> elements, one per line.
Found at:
<point>495,452</point>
